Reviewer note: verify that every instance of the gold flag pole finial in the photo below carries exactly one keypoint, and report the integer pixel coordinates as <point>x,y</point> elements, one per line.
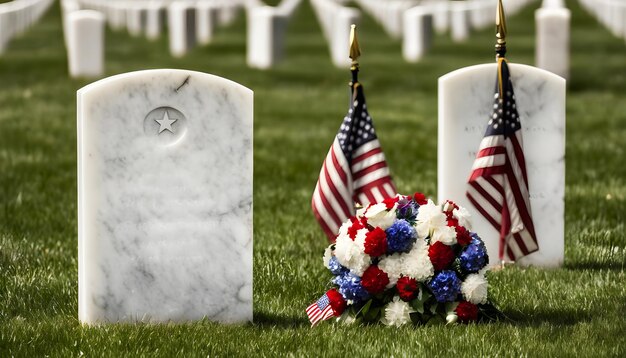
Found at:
<point>500,31</point>
<point>355,51</point>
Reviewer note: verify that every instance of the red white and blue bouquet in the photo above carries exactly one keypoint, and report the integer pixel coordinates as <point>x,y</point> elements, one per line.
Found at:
<point>406,260</point>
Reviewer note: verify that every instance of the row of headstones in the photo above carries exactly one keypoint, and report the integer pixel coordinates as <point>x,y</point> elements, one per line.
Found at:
<point>411,20</point>
<point>149,18</point>
<point>611,13</point>
<point>552,22</point>
<point>165,191</point>
<point>189,23</point>
<point>335,19</point>
<point>17,16</point>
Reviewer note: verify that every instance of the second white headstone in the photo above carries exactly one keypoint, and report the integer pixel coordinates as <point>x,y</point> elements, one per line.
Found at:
<point>465,106</point>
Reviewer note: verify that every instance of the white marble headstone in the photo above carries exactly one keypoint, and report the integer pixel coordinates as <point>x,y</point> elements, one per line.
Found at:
<point>552,44</point>
<point>164,198</point>
<point>266,33</point>
<point>206,21</point>
<point>460,21</point>
<point>181,18</point>
<point>343,19</point>
<point>465,105</point>
<point>418,33</point>
<point>154,19</point>
<point>85,43</point>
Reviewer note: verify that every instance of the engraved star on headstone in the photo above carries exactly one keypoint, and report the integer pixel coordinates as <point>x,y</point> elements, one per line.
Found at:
<point>165,123</point>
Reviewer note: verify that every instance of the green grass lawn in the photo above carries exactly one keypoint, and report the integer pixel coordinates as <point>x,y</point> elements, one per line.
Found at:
<point>577,310</point>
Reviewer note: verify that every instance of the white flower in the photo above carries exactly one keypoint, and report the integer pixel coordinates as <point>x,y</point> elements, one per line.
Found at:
<point>452,318</point>
<point>429,217</point>
<point>350,253</point>
<point>343,230</point>
<point>328,253</point>
<point>464,217</point>
<point>397,313</point>
<point>359,238</point>
<point>416,263</point>
<point>445,234</point>
<point>393,265</point>
<point>377,215</point>
<point>474,288</point>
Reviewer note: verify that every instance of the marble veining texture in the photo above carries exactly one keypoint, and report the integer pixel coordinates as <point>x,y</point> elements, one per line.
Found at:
<point>165,219</point>
<point>465,104</point>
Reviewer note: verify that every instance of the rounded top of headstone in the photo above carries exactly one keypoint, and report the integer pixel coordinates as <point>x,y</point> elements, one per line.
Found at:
<point>86,15</point>
<point>178,76</point>
<point>489,69</point>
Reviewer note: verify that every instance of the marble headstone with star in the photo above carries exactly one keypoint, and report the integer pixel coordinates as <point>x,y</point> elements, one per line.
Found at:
<point>465,107</point>
<point>165,198</point>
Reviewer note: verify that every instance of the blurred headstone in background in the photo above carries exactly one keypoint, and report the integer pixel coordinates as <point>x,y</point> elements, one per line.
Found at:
<point>552,23</point>
<point>85,46</point>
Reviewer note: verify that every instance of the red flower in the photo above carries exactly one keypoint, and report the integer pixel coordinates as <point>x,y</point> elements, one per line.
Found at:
<point>440,255</point>
<point>462,236</point>
<point>376,242</point>
<point>356,226</point>
<point>420,199</point>
<point>407,288</point>
<point>452,221</point>
<point>390,202</point>
<point>467,311</point>
<point>374,280</point>
<point>337,302</point>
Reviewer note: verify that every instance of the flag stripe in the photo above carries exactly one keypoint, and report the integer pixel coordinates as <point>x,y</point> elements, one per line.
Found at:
<point>493,212</point>
<point>323,213</point>
<point>368,170</point>
<point>485,190</point>
<point>337,199</point>
<point>322,221</point>
<point>363,161</point>
<point>326,198</point>
<point>340,162</point>
<point>366,148</point>
<point>370,177</point>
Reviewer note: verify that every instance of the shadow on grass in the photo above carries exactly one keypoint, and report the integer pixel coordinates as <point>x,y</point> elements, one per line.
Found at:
<point>593,266</point>
<point>266,320</point>
<point>545,316</point>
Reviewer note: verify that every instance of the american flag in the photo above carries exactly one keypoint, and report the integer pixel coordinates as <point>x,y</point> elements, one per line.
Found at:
<point>498,184</point>
<point>354,170</point>
<point>320,310</point>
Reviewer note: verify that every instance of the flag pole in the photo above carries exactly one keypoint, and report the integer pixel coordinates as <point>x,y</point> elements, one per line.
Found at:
<point>500,56</point>
<point>355,53</point>
<point>500,31</point>
<point>500,42</point>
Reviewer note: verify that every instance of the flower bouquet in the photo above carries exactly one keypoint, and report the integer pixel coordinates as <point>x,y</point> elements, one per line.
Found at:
<point>406,260</point>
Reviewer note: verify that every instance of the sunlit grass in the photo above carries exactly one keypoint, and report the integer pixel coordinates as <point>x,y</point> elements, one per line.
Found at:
<point>577,310</point>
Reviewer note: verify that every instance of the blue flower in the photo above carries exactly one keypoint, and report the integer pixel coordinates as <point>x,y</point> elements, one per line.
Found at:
<point>400,236</point>
<point>407,209</point>
<point>335,267</point>
<point>350,287</point>
<point>445,286</point>
<point>474,257</point>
